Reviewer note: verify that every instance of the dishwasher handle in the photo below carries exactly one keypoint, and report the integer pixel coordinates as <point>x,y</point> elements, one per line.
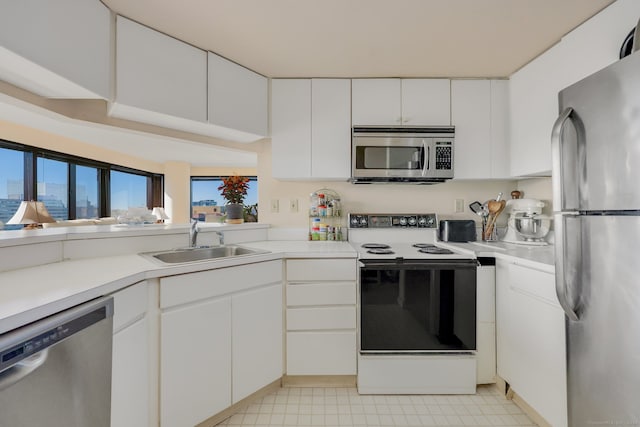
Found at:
<point>22,369</point>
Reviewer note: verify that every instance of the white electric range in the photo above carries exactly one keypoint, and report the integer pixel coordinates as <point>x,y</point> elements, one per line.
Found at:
<point>416,307</point>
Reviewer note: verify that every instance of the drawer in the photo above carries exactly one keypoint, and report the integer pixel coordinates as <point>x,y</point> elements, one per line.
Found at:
<point>185,288</point>
<point>321,293</point>
<point>533,282</point>
<point>305,319</point>
<point>129,304</point>
<point>321,269</point>
<point>321,353</point>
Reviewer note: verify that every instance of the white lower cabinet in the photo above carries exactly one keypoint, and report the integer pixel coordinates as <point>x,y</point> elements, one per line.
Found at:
<point>321,317</point>
<point>195,363</point>
<point>533,342</point>
<point>221,339</point>
<point>130,372</point>
<point>257,339</point>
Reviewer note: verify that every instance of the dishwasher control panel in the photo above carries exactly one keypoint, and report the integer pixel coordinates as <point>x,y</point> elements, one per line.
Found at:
<point>28,340</point>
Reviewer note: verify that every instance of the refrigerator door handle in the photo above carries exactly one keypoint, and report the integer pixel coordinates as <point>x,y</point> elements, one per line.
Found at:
<point>556,158</point>
<point>561,288</point>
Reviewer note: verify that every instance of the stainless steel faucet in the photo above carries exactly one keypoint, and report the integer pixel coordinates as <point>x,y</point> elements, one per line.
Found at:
<point>193,233</point>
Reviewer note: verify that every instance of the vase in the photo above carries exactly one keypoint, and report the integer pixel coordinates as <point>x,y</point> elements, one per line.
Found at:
<point>235,213</point>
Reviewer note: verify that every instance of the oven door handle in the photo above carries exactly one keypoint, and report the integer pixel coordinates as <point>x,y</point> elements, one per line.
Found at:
<point>401,264</point>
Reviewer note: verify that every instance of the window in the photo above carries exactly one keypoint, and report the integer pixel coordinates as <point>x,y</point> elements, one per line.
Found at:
<point>128,190</point>
<point>53,187</point>
<point>206,199</point>
<point>11,183</point>
<point>87,190</point>
<point>71,187</point>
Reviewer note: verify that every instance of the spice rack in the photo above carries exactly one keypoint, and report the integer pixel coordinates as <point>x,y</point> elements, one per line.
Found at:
<point>325,216</point>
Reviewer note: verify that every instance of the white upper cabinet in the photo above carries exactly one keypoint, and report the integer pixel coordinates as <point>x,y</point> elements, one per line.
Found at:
<point>159,79</point>
<point>426,102</point>
<point>376,102</point>
<point>398,102</point>
<point>479,112</point>
<point>331,128</point>
<point>500,146</point>
<point>238,97</point>
<point>311,128</point>
<point>56,49</point>
<point>291,128</point>
<point>471,116</point>
<point>534,88</point>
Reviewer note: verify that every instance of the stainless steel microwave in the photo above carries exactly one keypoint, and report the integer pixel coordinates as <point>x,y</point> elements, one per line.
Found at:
<point>420,155</point>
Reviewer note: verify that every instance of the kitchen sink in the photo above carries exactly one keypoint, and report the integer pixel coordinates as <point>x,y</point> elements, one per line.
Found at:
<point>201,253</point>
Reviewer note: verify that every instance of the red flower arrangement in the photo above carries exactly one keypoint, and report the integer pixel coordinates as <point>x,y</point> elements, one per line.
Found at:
<point>234,188</point>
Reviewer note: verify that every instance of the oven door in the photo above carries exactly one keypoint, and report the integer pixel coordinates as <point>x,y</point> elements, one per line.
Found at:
<point>417,306</point>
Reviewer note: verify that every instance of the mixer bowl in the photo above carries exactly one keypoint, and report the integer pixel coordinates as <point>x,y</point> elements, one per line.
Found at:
<point>532,227</point>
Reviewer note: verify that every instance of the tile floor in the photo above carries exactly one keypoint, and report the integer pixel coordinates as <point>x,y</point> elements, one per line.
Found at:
<point>294,406</point>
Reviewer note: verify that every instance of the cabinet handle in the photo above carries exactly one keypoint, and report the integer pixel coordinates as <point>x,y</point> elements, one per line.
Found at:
<point>405,120</point>
<point>399,120</point>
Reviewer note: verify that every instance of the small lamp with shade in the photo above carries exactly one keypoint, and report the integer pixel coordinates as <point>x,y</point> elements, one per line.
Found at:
<point>32,213</point>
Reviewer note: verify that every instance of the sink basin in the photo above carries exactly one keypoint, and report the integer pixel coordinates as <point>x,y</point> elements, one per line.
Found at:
<point>201,253</point>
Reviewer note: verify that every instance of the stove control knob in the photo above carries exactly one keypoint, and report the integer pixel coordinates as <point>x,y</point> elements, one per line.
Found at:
<point>431,221</point>
<point>363,221</point>
<point>403,221</point>
<point>422,221</point>
<point>412,221</point>
<point>354,221</point>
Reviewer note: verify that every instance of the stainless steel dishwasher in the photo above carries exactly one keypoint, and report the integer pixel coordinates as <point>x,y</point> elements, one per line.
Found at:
<point>57,371</point>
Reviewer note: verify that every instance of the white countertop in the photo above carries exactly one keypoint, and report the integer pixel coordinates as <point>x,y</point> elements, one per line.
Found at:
<point>31,293</point>
<point>539,257</point>
<point>35,292</point>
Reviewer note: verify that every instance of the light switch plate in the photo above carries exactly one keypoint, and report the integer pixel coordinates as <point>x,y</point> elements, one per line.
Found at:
<point>275,206</point>
<point>293,205</point>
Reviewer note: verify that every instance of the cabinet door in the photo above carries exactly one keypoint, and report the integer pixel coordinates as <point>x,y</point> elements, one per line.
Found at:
<point>291,128</point>
<point>426,102</point>
<point>376,102</point>
<point>257,339</point>
<point>195,362</point>
<point>500,147</point>
<point>130,376</point>
<point>534,108</point>
<point>504,336</point>
<point>471,116</point>
<point>237,96</point>
<point>331,128</point>
<point>539,345</point>
<point>160,74</point>
<point>57,49</point>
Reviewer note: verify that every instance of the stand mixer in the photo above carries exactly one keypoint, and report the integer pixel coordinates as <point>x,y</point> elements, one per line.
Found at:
<point>526,224</point>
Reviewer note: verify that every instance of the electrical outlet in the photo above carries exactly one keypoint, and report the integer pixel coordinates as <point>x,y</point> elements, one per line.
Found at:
<point>459,206</point>
<point>275,206</point>
<point>293,205</point>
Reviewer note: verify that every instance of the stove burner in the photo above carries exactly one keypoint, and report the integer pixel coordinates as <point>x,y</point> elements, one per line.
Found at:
<point>435,251</point>
<point>376,246</point>
<point>424,245</point>
<point>380,251</point>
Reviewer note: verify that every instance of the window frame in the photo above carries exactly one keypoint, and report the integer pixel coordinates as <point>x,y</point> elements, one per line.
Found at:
<point>155,181</point>
<point>193,178</point>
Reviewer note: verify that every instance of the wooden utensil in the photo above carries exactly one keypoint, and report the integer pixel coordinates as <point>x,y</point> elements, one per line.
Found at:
<point>495,208</point>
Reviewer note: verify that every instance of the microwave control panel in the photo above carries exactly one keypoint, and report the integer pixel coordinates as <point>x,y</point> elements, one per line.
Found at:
<point>444,155</point>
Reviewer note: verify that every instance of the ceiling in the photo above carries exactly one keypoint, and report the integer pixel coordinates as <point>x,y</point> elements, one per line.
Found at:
<point>367,38</point>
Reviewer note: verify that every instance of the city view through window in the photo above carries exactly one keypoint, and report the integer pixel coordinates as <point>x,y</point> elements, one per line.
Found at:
<point>68,188</point>
<point>207,200</point>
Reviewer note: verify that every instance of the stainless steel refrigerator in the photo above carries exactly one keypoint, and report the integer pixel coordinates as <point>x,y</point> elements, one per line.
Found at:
<point>596,199</point>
